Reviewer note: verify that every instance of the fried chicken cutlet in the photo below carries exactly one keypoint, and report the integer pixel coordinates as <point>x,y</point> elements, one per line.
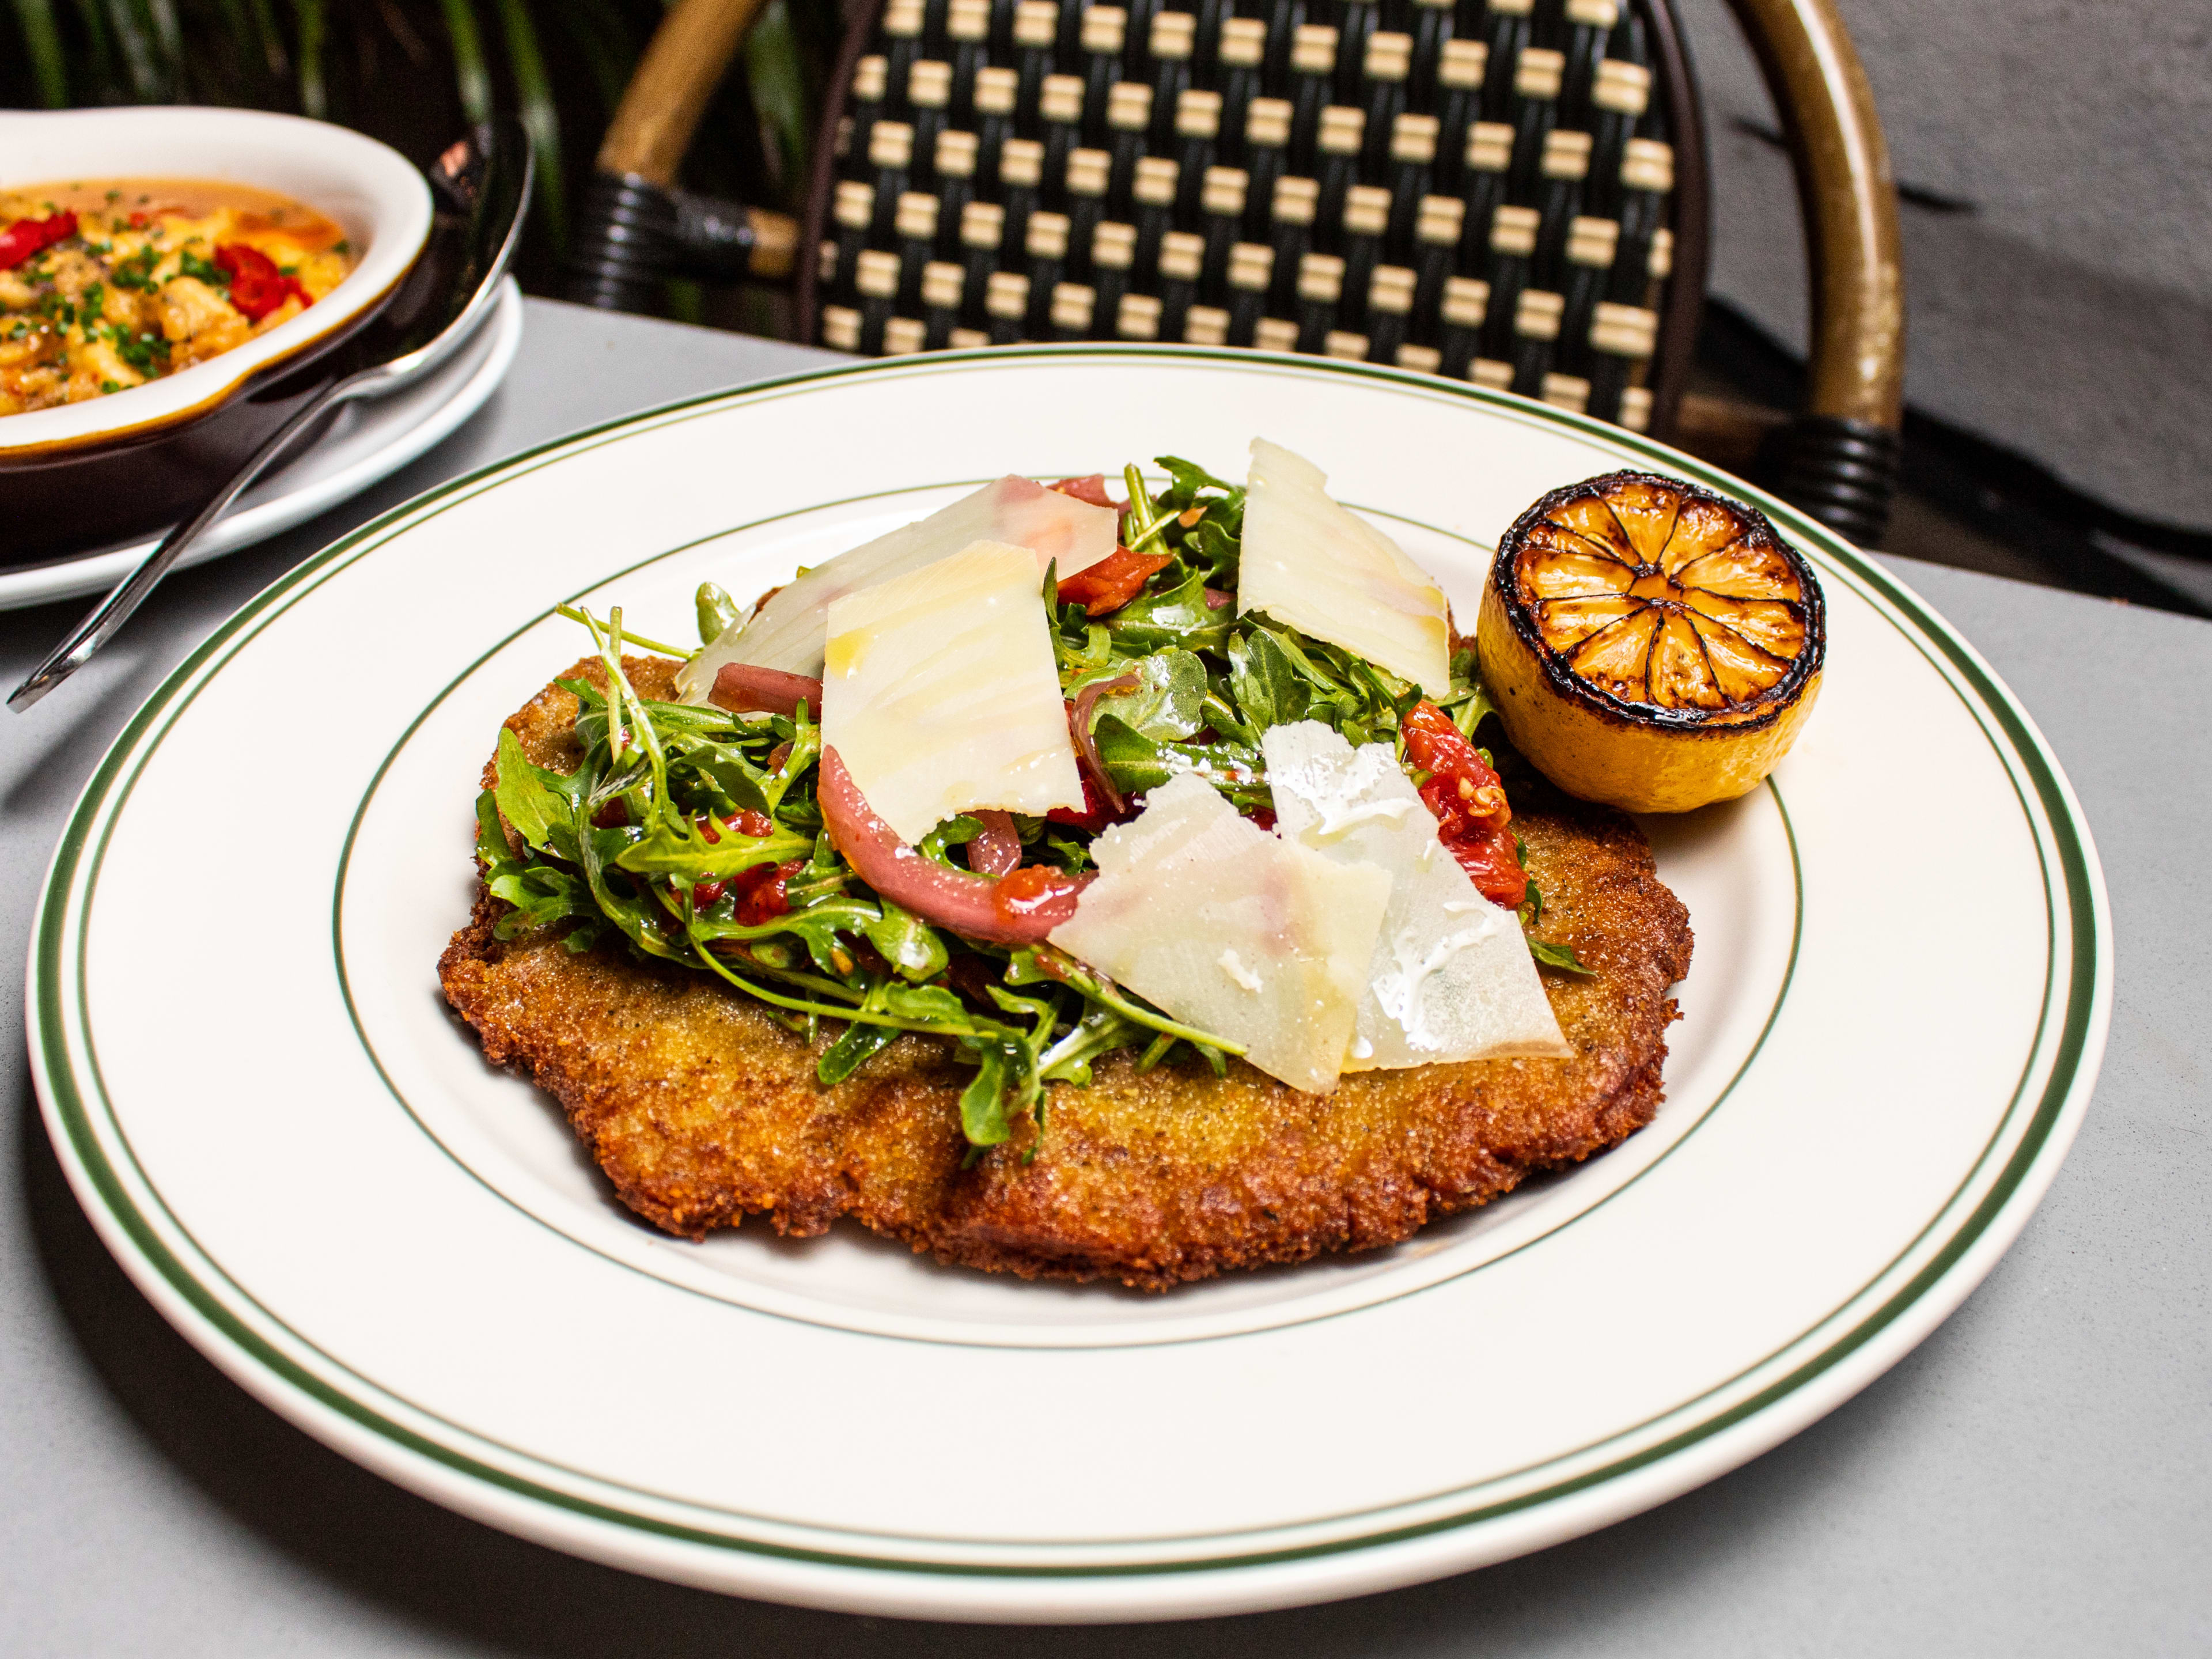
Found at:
<point>702,1108</point>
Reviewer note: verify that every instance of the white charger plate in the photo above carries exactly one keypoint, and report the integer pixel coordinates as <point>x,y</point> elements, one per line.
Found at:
<point>301,1157</point>
<point>365,442</point>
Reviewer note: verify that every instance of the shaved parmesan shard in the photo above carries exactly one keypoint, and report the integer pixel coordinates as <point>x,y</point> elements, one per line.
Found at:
<point>1450,978</point>
<point>1326,572</point>
<point>1230,929</point>
<point>787,633</point>
<point>941,696</point>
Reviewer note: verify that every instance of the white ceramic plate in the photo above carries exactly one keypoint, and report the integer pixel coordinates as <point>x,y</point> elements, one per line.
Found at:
<point>365,443</point>
<point>302,1158</point>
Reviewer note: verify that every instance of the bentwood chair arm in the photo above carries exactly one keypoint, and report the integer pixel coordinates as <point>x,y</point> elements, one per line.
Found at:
<point>1839,457</point>
<point>634,227</point>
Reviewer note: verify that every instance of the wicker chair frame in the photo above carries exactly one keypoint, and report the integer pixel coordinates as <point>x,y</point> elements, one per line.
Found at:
<point>1512,191</point>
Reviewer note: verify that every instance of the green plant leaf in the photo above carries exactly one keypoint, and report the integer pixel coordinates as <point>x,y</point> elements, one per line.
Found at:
<point>313,22</point>
<point>541,116</point>
<point>604,45</point>
<point>775,76</point>
<point>134,35</point>
<point>42,44</point>
<point>472,74</point>
<point>1212,551</point>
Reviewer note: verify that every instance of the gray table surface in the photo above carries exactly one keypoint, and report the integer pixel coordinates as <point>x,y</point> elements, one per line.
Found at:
<point>2035,1479</point>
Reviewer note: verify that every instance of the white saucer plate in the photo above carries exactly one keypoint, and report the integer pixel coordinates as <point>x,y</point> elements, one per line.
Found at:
<point>1902,982</point>
<point>365,443</point>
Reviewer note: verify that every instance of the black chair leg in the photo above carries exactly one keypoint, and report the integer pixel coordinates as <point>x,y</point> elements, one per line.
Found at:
<point>624,246</point>
<point>1844,472</point>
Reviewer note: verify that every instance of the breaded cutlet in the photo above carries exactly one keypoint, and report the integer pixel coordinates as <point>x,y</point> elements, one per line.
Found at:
<point>702,1109</point>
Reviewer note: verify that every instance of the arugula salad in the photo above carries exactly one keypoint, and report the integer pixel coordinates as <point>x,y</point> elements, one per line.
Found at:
<point>711,837</point>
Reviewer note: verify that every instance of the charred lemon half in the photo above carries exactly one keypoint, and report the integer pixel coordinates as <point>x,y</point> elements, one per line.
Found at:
<point>1650,644</point>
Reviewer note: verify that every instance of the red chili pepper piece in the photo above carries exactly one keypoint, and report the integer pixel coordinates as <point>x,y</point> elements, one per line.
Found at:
<point>1112,582</point>
<point>1469,802</point>
<point>257,286</point>
<point>25,237</point>
<point>1032,889</point>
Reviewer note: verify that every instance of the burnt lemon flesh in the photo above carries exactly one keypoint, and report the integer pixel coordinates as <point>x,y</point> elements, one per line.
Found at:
<point>1650,644</point>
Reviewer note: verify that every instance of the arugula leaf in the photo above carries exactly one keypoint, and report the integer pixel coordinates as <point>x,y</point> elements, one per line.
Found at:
<point>1098,1032</point>
<point>956,831</point>
<point>1560,957</point>
<point>531,799</point>
<point>716,610</point>
<point>824,876</point>
<point>923,1002</point>
<point>1082,649</point>
<point>1470,704</point>
<point>1138,763</point>
<point>541,894</point>
<point>816,927</point>
<point>1266,685</point>
<point>676,846</point>
<point>1186,479</point>
<point>854,1048</point>
<point>1213,549</point>
<point>910,945</point>
<point>1179,616</point>
<point>736,783</point>
<point>982,1102</point>
<point>1169,700</point>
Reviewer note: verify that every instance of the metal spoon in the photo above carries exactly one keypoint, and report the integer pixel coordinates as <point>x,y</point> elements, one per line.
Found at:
<point>482,183</point>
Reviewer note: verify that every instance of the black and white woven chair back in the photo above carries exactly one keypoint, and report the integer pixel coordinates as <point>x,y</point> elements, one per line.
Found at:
<point>1510,192</point>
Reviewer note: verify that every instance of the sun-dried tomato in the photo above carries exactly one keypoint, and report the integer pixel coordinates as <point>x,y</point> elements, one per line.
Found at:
<point>1112,582</point>
<point>1472,818</point>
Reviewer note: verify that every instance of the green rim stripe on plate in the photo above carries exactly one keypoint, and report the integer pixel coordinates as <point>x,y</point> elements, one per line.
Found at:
<point>55,1070</point>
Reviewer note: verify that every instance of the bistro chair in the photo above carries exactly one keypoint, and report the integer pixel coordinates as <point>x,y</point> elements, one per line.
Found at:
<point>1512,192</point>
